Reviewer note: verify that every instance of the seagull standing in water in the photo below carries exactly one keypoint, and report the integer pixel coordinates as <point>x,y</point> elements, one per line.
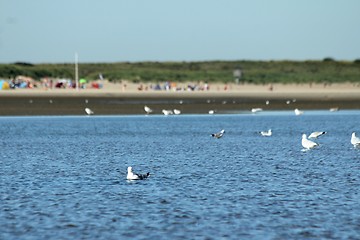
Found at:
<point>316,134</point>
<point>306,143</point>
<point>89,111</point>
<point>134,176</point>
<point>147,109</point>
<point>219,134</point>
<point>298,112</point>
<point>167,112</point>
<point>255,110</point>
<point>355,140</point>
<point>177,111</point>
<point>266,133</point>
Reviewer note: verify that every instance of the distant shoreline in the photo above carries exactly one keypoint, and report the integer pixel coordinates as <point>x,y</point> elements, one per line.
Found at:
<point>113,101</point>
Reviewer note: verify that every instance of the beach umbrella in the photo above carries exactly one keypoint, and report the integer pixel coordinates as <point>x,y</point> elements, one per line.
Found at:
<point>4,85</point>
<point>82,81</point>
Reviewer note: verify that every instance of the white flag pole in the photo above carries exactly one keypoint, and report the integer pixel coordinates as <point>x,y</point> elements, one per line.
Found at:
<point>76,72</point>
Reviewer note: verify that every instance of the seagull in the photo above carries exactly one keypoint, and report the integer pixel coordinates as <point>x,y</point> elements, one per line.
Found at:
<point>219,134</point>
<point>89,111</point>
<point>167,112</point>
<point>306,143</point>
<point>298,112</point>
<point>266,133</point>
<point>134,176</point>
<point>147,109</point>
<point>211,111</point>
<point>355,140</point>
<point>255,110</point>
<point>334,109</point>
<point>177,111</point>
<point>316,134</point>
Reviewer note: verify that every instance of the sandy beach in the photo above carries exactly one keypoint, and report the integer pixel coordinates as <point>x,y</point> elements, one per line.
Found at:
<point>126,98</point>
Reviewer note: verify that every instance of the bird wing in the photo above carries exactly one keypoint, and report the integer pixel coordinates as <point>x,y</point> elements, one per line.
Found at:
<point>314,134</point>
<point>142,176</point>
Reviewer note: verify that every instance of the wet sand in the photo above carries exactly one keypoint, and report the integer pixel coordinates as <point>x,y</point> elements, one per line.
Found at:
<point>115,100</point>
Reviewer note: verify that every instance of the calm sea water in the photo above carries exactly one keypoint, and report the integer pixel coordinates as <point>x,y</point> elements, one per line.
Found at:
<point>65,177</point>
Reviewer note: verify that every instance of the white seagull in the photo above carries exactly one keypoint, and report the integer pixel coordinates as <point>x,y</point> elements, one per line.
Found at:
<point>306,143</point>
<point>147,109</point>
<point>355,140</point>
<point>298,112</point>
<point>177,111</point>
<point>219,134</point>
<point>167,112</point>
<point>89,111</point>
<point>134,176</point>
<point>266,133</point>
<point>255,110</point>
<point>316,134</point>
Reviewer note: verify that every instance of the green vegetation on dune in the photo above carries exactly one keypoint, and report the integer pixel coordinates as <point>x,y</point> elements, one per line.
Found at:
<point>257,72</point>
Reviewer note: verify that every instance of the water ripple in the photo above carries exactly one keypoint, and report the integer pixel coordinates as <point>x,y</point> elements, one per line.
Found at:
<point>65,178</point>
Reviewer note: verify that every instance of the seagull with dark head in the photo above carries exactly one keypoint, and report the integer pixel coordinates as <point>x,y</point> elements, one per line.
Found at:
<point>219,134</point>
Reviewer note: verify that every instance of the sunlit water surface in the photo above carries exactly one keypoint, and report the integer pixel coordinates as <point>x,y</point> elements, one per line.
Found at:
<point>65,177</point>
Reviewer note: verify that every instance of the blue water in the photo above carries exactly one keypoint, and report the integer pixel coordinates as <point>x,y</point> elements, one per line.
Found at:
<point>65,177</point>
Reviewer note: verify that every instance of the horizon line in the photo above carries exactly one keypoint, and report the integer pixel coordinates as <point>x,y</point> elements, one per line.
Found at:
<point>184,61</point>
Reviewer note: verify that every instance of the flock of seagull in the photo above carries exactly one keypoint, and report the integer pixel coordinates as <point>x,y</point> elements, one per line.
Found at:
<point>305,141</point>
<point>308,144</point>
<point>296,110</point>
<point>148,110</point>
<point>166,112</point>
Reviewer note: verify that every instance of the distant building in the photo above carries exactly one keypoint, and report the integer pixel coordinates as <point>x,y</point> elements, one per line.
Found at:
<point>237,75</point>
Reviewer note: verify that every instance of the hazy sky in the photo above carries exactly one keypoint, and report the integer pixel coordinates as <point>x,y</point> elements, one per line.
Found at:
<point>40,31</point>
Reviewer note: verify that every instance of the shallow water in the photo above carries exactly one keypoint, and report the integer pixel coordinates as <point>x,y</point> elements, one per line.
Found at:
<point>65,177</point>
